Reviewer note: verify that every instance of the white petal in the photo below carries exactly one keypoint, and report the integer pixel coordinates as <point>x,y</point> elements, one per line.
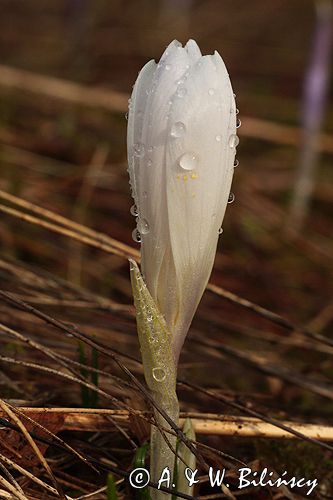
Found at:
<point>155,128</point>
<point>193,51</point>
<point>135,121</point>
<point>197,198</point>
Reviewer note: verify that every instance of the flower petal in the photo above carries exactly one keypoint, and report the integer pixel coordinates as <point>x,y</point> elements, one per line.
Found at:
<point>182,123</point>
<point>198,179</point>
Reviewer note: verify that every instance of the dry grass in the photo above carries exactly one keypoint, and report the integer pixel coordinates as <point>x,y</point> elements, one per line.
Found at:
<point>74,405</point>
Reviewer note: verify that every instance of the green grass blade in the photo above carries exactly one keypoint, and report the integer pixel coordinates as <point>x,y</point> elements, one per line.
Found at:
<point>140,461</point>
<point>94,378</point>
<point>85,396</point>
<point>111,490</point>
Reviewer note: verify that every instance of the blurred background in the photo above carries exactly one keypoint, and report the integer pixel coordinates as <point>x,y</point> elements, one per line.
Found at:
<point>67,70</point>
<point>269,49</point>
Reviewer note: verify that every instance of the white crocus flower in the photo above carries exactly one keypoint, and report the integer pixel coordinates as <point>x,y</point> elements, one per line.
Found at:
<point>181,151</point>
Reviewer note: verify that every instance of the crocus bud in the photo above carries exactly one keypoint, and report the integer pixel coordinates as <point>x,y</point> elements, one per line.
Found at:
<point>181,151</point>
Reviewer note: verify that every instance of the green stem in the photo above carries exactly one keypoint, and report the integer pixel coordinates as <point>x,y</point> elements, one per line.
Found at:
<point>160,373</point>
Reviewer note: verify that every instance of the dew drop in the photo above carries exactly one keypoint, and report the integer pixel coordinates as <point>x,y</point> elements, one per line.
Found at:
<point>149,163</point>
<point>181,92</point>
<point>237,111</point>
<point>178,129</point>
<point>159,374</point>
<point>150,149</point>
<point>220,231</point>
<point>136,235</point>
<point>211,91</point>
<point>134,210</point>
<point>126,116</point>
<point>238,123</point>
<point>139,150</point>
<point>188,161</point>
<point>168,67</point>
<point>231,198</point>
<point>143,226</point>
<point>218,138</point>
<point>236,163</point>
<point>233,141</point>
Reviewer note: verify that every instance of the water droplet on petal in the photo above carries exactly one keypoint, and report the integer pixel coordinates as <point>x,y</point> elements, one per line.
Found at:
<point>167,67</point>
<point>220,231</point>
<point>134,210</point>
<point>143,226</point>
<point>136,235</point>
<point>233,141</point>
<point>149,163</point>
<point>237,111</point>
<point>188,161</point>
<point>211,91</point>
<point>181,92</point>
<point>236,163</point>
<point>139,150</point>
<point>150,149</point>
<point>218,138</point>
<point>231,198</point>
<point>178,129</point>
<point>234,95</point>
<point>126,116</point>
<point>159,374</point>
<point>238,123</point>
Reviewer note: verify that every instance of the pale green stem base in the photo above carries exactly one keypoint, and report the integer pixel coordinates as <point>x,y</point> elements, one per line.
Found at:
<point>161,455</point>
<point>160,373</point>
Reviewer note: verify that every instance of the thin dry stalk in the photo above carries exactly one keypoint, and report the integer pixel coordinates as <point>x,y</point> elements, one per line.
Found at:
<point>61,89</point>
<point>7,410</point>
